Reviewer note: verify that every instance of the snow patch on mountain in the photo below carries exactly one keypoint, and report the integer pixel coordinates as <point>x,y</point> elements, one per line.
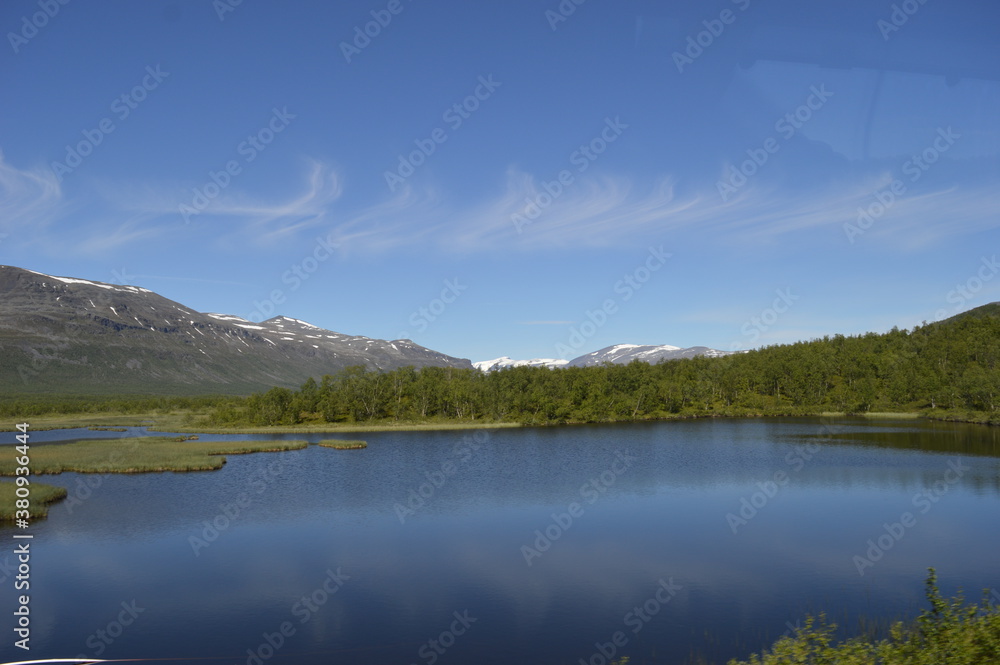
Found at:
<point>288,318</point>
<point>102,285</point>
<point>619,354</point>
<point>226,317</point>
<point>622,354</point>
<point>505,361</point>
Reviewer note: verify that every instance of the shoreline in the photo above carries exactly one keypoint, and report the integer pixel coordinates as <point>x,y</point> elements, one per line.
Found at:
<point>157,426</point>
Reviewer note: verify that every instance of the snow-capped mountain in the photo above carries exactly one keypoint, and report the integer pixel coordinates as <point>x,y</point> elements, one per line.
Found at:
<point>67,335</point>
<point>623,354</point>
<point>504,362</point>
<point>619,354</point>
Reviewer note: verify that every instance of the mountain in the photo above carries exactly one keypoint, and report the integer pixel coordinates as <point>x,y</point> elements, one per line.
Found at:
<point>619,354</point>
<point>66,335</point>
<point>504,362</point>
<point>990,310</point>
<point>623,354</point>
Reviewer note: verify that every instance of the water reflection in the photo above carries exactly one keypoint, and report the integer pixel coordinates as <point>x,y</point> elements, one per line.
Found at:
<point>461,545</point>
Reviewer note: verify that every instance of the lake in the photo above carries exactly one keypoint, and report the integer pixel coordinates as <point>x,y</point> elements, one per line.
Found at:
<point>660,541</point>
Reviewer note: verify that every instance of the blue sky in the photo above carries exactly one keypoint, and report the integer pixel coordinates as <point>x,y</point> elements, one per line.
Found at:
<point>513,178</point>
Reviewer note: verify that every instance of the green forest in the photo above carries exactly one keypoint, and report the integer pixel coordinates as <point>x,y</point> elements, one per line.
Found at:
<point>947,369</point>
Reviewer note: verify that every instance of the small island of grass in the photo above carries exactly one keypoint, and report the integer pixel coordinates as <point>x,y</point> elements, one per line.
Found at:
<point>343,444</point>
<point>141,455</point>
<point>149,454</point>
<point>41,496</point>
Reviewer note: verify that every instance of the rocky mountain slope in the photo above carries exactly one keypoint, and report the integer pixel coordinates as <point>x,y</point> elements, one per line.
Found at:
<point>66,335</point>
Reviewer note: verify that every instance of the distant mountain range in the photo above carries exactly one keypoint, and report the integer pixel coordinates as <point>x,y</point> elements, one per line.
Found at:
<point>619,354</point>
<point>66,335</point>
<point>74,336</point>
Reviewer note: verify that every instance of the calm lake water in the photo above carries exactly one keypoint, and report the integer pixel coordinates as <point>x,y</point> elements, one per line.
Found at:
<point>527,546</point>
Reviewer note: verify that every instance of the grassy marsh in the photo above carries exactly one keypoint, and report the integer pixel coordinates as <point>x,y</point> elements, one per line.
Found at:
<point>141,455</point>
<point>41,496</point>
<point>187,421</point>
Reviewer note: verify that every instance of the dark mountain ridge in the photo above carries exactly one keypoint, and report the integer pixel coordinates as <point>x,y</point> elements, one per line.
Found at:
<point>66,335</point>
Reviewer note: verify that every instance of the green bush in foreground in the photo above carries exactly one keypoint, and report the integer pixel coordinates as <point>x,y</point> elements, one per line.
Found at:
<point>41,496</point>
<point>950,633</point>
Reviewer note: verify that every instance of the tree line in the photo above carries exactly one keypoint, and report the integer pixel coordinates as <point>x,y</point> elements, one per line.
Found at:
<point>943,368</point>
<point>43,405</point>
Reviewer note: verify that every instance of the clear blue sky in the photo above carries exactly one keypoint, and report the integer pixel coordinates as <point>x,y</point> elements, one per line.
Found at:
<point>209,151</point>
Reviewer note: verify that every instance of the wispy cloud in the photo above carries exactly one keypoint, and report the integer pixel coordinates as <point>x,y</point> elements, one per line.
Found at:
<point>596,211</point>
<point>267,222</point>
<point>614,211</point>
<point>29,198</point>
<point>246,218</point>
<point>408,217</point>
<point>106,237</point>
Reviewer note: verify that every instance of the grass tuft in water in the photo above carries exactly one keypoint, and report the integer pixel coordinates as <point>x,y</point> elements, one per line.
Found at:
<point>343,444</point>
